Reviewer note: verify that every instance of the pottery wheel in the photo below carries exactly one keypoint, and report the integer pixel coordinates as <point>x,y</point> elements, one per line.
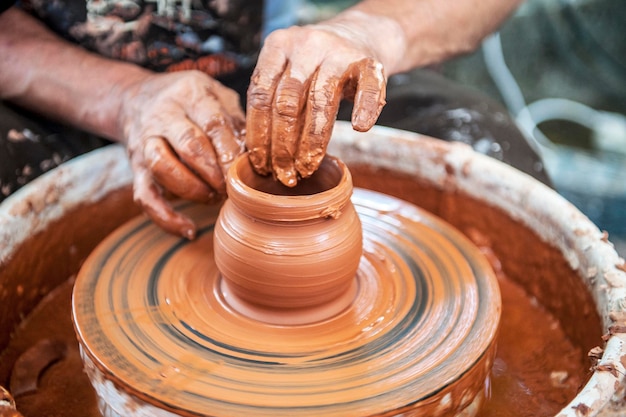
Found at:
<point>155,327</point>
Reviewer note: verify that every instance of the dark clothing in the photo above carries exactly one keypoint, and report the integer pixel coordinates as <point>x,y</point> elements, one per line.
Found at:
<point>218,37</point>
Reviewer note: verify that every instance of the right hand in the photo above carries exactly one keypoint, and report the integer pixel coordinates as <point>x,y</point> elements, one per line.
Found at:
<point>294,95</point>
<point>182,131</point>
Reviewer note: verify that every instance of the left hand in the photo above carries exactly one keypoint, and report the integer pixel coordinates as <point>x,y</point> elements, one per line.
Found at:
<point>294,95</point>
<point>182,131</point>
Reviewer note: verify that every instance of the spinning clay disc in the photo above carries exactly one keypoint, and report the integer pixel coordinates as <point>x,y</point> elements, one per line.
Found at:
<point>160,336</point>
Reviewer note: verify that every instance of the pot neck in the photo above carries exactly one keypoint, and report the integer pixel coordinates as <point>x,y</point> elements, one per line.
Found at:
<point>324,194</point>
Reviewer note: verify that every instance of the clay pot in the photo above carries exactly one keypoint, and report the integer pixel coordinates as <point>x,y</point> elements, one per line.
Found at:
<point>543,242</point>
<point>295,249</point>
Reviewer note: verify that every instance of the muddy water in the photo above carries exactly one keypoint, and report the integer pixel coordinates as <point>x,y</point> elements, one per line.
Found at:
<point>536,372</point>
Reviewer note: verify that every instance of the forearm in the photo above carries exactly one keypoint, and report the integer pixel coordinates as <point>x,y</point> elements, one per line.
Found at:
<point>46,74</point>
<point>416,33</point>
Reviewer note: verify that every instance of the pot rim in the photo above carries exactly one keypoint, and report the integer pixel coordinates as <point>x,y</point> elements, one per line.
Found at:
<point>90,177</point>
<point>332,186</point>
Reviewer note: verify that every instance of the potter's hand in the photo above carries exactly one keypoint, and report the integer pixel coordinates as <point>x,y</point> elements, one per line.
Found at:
<point>301,76</point>
<point>182,131</point>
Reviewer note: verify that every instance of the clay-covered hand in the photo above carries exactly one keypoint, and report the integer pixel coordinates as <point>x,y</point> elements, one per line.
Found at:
<point>182,131</point>
<point>300,78</point>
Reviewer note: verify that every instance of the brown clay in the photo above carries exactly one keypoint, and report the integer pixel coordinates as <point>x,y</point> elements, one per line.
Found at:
<point>418,338</point>
<point>63,389</point>
<point>534,264</point>
<point>521,382</point>
<point>290,117</point>
<point>55,254</point>
<point>532,380</point>
<point>521,385</point>
<point>290,249</point>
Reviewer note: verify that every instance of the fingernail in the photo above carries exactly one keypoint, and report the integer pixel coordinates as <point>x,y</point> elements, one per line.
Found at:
<point>287,177</point>
<point>362,120</point>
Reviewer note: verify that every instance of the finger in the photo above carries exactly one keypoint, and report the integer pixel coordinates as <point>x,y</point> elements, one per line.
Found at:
<point>369,98</point>
<point>147,194</point>
<point>230,101</point>
<point>226,142</point>
<point>196,151</point>
<point>173,175</point>
<point>220,126</point>
<point>269,68</point>
<point>320,114</point>
<point>287,123</point>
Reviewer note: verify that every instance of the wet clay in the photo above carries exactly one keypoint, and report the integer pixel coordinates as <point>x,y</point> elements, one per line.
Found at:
<point>528,379</point>
<point>537,266</point>
<point>418,336</point>
<point>62,388</point>
<point>288,131</point>
<point>263,250</point>
<point>56,253</point>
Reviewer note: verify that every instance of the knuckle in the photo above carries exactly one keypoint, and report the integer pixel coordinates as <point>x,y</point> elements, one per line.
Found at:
<point>196,76</point>
<point>320,38</point>
<point>280,36</point>
<point>187,143</point>
<point>215,123</point>
<point>260,98</point>
<point>230,95</point>
<point>320,98</point>
<point>287,107</point>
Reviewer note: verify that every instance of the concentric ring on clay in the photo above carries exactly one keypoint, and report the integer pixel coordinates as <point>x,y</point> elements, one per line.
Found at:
<point>153,323</point>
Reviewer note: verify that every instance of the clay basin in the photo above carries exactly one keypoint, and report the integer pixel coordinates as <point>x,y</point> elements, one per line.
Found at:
<point>532,237</point>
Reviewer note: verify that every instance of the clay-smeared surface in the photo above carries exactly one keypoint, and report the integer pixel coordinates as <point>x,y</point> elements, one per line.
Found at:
<point>522,376</point>
<point>290,116</point>
<point>296,248</point>
<point>526,381</point>
<point>63,389</point>
<point>535,264</point>
<point>150,314</point>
